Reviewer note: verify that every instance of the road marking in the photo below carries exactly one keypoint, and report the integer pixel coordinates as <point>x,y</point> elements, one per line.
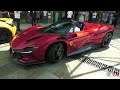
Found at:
<point>101,66</point>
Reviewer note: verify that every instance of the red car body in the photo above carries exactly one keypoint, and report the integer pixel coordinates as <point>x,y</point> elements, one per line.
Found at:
<point>32,45</point>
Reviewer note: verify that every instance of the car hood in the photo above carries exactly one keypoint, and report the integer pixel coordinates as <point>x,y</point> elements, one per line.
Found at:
<point>6,19</point>
<point>31,37</point>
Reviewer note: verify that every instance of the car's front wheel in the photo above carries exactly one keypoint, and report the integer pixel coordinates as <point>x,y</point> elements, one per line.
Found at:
<point>106,40</point>
<point>5,36</point>
<point>55,53</point>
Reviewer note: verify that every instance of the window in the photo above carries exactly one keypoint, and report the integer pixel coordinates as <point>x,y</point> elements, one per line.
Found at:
<point>57,28</point>
<point>71,30</point>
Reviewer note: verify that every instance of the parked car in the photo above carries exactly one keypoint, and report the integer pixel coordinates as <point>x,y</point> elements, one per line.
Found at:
<point>37,43</point>
<point>7,30</point>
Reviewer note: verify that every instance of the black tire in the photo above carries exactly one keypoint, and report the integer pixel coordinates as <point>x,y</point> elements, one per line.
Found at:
<point>106,40</point>
<point>55,53</point>
<point>5,36</point>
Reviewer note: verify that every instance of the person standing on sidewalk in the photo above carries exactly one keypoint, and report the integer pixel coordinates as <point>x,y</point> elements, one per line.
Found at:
<point>33,17</point>
<point>116,18</point>
<point>5,14</point>
<point>81,16</point>
<point>45,16</point>
<point>86,16</point>
<point>90,16</point>
<point>69,15</point>
<point>94,16</point>
<point>37,17</point>
<point>49,17</point>
<point>17,19</point>
<point>56,16</point>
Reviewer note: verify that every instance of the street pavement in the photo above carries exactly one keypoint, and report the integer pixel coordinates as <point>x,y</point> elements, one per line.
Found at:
<point>87,65</point>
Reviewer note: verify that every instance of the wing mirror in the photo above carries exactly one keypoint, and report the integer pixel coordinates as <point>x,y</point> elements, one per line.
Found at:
<point>63,36</point>
<point>72,35</point>
<point>67,36</point>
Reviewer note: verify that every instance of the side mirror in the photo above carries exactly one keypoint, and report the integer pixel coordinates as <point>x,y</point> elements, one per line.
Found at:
<point>72,35</point>
<point>63,36</point>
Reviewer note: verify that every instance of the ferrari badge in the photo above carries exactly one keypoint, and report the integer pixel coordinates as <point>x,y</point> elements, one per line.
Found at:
<point>71,43</point>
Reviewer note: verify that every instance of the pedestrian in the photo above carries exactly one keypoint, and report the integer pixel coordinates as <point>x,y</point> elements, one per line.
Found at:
<point>49,17</point>
<point>33,17</point>
<point>37,17</point>
<point>45,16</point>
<point>11,14</point>
<point>110,18</point>
<point>63,16</point>
<point>5,14</point>
<point>76,15</point>
<point>90,16</point>
<point>94,16</point>
<point>116,18</point>
<point>81,16</point>
<point>86,16</point>
<point>106,17</point>
<point>56,16</point>
<point>17,19</point>
<point>99,17</point>
<point>69,15</point>
<point>103,18</point>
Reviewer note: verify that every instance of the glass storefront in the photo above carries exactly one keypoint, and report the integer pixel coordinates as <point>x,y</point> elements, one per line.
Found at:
<point>52,16</point>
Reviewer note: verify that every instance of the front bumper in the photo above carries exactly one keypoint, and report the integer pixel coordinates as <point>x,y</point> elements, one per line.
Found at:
<point>24,58</point>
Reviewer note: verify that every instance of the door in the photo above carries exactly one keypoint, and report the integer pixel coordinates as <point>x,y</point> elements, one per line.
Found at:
<point>78,40</point>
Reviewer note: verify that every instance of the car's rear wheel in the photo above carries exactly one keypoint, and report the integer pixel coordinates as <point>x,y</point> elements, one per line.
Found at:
<point>55,53</point>
<point>5,36</point>
<point>106,40</point>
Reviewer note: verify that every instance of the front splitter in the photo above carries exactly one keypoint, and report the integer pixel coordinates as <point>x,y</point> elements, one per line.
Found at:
<point>27,61</point>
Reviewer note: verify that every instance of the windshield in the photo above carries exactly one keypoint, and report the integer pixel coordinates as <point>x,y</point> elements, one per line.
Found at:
<point>58,28</point>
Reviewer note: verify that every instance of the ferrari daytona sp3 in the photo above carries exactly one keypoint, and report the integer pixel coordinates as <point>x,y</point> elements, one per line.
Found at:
<point>37,43</point>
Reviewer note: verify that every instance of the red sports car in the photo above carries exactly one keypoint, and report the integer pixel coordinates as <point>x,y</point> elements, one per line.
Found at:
<point>37,43</point>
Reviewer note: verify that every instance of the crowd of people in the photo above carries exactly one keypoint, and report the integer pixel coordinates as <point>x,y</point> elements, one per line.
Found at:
<point>103,17</point>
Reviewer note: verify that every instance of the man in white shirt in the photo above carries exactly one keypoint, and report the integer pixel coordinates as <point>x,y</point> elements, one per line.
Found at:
<point>17,19</point>
<point>94,15</point>
<point>69,15</point>
<point>75,28</point>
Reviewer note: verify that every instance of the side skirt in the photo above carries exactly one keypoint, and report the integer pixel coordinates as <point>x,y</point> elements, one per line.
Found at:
<point>84,48</point>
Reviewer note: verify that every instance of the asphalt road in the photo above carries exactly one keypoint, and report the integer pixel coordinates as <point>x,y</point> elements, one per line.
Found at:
<point>88,65</point>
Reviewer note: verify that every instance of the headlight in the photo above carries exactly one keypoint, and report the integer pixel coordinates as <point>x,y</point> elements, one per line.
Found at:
<point>27,50</point>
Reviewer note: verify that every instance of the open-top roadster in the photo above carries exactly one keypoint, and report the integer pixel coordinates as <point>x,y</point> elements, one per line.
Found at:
<point>50,43</point>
